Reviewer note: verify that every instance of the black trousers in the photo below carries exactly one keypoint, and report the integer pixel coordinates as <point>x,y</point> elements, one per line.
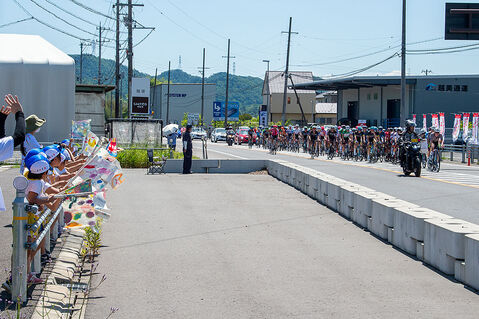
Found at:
<point>188,157</point>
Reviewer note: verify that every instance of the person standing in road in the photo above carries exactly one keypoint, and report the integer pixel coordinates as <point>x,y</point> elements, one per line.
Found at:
<point>187,150</point>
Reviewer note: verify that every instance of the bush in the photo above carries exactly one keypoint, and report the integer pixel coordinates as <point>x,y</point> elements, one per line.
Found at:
<point>137,158</point>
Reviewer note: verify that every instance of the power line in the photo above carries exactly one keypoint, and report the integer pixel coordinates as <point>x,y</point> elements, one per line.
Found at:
<point>48,25</point>
<point>91,10</point>
<point>61,19</point>
<point>146,36</point>
<point>15,22</point>
<point>445,49</point>
<point>68,12</point>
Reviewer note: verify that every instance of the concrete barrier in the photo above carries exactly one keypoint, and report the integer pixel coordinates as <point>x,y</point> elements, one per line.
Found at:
<point>444,242</point>
<point>382,215</point>
<point>409,224</point>
<point>227,166</point>
<point>448,244</point>
<point>471,267</point>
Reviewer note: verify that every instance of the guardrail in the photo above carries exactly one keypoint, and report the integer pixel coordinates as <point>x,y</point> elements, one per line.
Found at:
<point>469,153</point>
<point>20,235</point>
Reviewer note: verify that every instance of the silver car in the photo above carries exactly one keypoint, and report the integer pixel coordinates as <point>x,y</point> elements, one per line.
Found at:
<point>198,133</point>
<point>218,134</point>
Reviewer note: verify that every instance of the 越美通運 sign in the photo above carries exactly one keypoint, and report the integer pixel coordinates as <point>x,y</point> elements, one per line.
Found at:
<point>219,111</point>
<point>140,96</point>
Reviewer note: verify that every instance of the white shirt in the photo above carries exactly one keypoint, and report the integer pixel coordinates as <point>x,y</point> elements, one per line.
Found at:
<point>37,186</point>
<point>29,144</point>
<point>6,148</point>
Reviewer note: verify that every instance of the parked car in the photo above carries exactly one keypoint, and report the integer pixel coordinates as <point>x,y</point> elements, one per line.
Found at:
<point>198,133</point>
<point>241,136</point>
<point>218,134</point>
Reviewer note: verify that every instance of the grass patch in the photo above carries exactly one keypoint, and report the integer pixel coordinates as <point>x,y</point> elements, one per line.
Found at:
<point>139,158</point>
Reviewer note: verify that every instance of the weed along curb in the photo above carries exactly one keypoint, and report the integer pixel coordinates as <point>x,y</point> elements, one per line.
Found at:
<point>67,288</point>
<point>448,244</point>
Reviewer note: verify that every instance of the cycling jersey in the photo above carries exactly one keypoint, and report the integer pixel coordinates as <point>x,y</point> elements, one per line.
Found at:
<point>433,139</point>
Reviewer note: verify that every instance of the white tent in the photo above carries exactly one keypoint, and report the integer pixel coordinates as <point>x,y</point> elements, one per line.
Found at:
<point>43,77</point>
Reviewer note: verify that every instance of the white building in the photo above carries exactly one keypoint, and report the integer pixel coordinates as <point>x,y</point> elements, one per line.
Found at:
<point>43,77</point>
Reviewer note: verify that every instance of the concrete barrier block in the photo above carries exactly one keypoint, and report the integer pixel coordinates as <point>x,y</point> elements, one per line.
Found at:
<point>363,207</point>
<point>409,226</point>
<point>444,242</point>
<point>471,267</point>
<point>420,250</point>
<point>460,270</point>
<point>382,214</point>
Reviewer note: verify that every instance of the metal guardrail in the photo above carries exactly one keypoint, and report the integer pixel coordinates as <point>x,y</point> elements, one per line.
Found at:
<point>469,153</point>
<point>20,235</point>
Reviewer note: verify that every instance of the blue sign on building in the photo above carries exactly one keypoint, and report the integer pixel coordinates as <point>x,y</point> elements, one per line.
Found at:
<point>219,111</point>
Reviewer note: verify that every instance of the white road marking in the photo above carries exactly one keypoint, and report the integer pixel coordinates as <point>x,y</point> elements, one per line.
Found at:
<point>224,153</point>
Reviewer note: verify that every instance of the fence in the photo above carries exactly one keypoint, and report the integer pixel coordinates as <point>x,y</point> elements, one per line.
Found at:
<point>469,153</point>
<point>136,131</point>
<point>20,235</point>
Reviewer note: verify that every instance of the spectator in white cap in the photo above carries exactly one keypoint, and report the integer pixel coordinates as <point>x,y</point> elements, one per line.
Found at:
<point>33,126</point>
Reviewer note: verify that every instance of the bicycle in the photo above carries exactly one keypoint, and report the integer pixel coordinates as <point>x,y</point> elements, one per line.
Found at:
<point>434,163</point>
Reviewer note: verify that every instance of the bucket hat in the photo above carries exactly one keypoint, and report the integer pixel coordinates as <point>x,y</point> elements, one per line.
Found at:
<point>33,122</point>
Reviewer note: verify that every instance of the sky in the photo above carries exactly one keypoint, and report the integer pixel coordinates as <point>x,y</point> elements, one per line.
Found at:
<point>331,34</point>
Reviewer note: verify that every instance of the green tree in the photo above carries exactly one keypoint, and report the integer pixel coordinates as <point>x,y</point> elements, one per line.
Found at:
<point>245,117</point>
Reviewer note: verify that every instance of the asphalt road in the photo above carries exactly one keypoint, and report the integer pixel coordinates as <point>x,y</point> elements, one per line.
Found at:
<point>249,246</point>
<point>452,191</point>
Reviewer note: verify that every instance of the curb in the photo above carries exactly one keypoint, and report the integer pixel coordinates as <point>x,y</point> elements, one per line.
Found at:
<point>448,244</point>
<point>56,300</point>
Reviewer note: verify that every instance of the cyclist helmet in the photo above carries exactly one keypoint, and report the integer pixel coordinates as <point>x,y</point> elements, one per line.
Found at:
<point>410,123</point>
<point>436,130</point>
<point>423,131</point>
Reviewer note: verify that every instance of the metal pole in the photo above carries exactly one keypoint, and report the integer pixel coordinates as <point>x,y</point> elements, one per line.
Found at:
<point>403,63</point>
<point>81,62</point>
<point>267,85</point>
<point>285,92</point>
<point>117,62</point>
<point>19,266</point>
<point>203,90</point>
<point>99,54</point>
<point>168,96</point>
<point>227,84</point>
<point>154,90</point>
<point>130,52</point>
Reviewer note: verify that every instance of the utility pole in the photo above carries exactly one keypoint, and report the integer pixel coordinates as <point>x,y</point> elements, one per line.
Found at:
<point>117,61</point>
<point>168,95</point>
<point>267,86</point>
<point>154,91</point>
<point>81,59</point>
<point>403,63</point>
<point>100,41</point>
<point>203,89</point>
<point>228,57</point>
<point>129,53</point>
<point>286,75</point>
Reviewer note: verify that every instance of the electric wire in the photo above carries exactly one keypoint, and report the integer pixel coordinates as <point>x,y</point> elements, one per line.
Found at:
<point>48,25</point>
<point>15,22</point>
<point>91,10</point>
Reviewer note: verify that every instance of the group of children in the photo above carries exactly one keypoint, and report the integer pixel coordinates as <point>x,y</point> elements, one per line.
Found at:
<point>48,171</point>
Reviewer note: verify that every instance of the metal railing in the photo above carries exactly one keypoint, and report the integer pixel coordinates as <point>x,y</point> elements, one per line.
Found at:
<point>20,236</point>
<point>469,153</point>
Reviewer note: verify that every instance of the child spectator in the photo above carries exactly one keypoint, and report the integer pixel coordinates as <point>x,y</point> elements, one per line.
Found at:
<point>33,125</point>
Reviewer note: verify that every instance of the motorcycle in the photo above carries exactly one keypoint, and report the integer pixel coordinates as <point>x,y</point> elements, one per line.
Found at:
<point>412,163</point>
<point>230,138</point>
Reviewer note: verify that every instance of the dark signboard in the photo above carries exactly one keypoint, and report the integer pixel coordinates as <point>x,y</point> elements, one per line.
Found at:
<point>462,21</point>
<point>139,105</point>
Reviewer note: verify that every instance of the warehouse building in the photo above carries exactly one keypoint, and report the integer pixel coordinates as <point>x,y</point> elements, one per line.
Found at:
<point>184,98</point>
<point>377,99</point>
<point>273,92</point>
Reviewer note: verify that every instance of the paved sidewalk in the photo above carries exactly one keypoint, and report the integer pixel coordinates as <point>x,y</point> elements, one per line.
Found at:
<point>249,246</point>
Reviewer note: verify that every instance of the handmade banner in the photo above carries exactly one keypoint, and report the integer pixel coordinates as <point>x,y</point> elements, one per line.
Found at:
<point>465,126</point>
<point>414,118</point>
<point>112,148</point>
<point>79,212</point>
<point>435,121</point>
<point>442,124</point>
<point>457,127</point>
<point>84,187</point>
<point>80,129</point>
<point>424,122</point>
<point>91,141</point>
<point>475,123</point>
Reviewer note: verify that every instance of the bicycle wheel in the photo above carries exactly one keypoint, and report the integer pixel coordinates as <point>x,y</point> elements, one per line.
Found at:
<point>438,162</point>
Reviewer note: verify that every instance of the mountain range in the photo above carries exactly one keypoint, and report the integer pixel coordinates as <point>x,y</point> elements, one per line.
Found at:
<point>243,89</point>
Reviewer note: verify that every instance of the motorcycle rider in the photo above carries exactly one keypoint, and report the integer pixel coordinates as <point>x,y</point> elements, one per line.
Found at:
<point>407,137</point>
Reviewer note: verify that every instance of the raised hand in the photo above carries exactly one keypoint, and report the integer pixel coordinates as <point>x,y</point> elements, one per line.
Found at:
<point>13,103</point>
<point>5,110</point>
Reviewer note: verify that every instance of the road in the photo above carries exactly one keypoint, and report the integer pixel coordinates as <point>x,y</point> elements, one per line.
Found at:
<point>452,191</point>
<point>231,250</point>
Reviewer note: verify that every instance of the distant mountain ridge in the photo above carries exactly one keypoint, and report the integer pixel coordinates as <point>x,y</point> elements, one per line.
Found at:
<point>243,89</point>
